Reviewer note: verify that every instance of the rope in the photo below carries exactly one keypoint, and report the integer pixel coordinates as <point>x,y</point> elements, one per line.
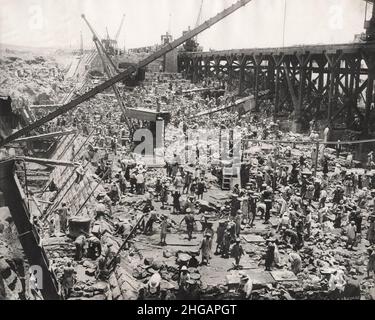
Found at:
<point>92,191</point>
<point>284,23</point>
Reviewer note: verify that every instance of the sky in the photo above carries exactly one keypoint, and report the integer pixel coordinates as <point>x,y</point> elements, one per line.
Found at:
<point>58,23</point>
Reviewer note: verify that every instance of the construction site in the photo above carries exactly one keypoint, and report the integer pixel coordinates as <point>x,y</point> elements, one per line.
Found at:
<point>174,172</point>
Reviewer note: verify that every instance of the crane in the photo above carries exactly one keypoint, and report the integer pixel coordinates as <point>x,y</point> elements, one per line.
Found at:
<point>81,45</point>
<point>120,27</point>
<point>369,24</point>
<point>199,18</point>
<point>192,44</point>
<point>101,44</point>
<point>126,73</point>
<point>166,38</point>
<point>111,45</point>
<point>107,69</point>
<point>199,15</point>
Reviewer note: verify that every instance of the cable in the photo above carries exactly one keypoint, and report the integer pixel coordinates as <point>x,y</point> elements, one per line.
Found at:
<point>284,23</point>
<point>169,24</point>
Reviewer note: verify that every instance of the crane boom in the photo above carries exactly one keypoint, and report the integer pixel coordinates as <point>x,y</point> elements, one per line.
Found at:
<point>101,50</point>
<point>126,73</point>
<point>99,42</point>
<point>199,14</point>
<point>114,87</point>
<point>120,27</point>
<point>199,19</point>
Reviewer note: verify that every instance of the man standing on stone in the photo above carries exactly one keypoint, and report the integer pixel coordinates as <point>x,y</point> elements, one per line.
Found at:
<point>205,248</point>
<point>80,243</point>
<point>351,234</point>
<point>270,256</point>
<point>68,279</point>
<point>63,214</point>
<point>190,221</point>
<point>220,236</point>
<point>140,183</point>
<point>176,202</point>
<point>226,243</point>
<point>235,204</point>
<point>187,182</point>
<point>238,220</point>
<point>163,230</point>
<point>237,252</point>
<point>371,229</point>
<point>150,222</point>
<point>178,182</point>
<point>201,186</point>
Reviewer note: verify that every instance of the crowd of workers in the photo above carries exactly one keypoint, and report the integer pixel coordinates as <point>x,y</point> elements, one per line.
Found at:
<point>283,188</point>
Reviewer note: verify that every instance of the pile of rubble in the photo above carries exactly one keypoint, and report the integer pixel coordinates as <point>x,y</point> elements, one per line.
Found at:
<point>31,78</point>
<point>13,274</point>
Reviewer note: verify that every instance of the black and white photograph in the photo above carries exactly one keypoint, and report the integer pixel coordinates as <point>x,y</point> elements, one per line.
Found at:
<point>187,150</point>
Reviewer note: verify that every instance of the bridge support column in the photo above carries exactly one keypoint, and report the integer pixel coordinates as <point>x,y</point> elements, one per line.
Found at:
<point>333,63</point>
<point>277,63</point>
<point>242,61</point>
<point>303,61</point>
<point>277,89</point>
<point>195,70</point>
<point>230,70</point>
<point>369,93</point>
<point>217,66</point>
<point>257,63</point>
<point>270,75</point>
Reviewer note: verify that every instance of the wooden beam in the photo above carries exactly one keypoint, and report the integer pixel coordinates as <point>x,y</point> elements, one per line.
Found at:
<point>46,136</point>
<point>47,161</point>
<point>46,106</point>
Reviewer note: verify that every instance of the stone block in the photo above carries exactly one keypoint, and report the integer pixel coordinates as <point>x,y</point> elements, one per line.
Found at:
<point>116,293</point>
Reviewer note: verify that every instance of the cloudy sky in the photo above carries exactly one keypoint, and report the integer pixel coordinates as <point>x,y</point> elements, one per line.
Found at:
<point>57,23</point>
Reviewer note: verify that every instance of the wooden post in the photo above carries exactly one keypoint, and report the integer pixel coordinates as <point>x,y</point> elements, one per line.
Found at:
<point>369,92</point>
<point>242,62</point>
<point>302,60</point>
<point>230,69</point>
<point>92,192</point>
<point>330,93</point>
<point>26,185</point>
<point>351,72</point>
<point>277,86</point>
<point>257,62</point>
<point>277,63</point>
